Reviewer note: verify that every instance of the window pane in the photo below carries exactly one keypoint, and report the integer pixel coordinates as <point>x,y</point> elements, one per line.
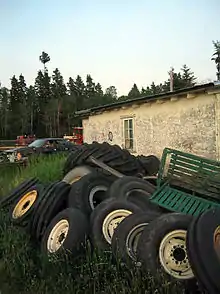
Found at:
<point>126,124</point>
<point>130,123</point>
<point>131,134</point>
<point>126,134</point>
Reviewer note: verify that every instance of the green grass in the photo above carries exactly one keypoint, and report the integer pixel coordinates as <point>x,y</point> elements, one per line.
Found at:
<point>24,270</point>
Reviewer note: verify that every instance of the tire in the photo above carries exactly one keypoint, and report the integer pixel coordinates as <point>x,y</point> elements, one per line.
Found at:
<point>54,202</point>
<point>125,238</point>
<point>154,247</point>
<point>194,258</point>
<point>134,190</point>
<point>38,208</point>
<point>77,173</point>
<point>89,191</point>
<point>17,192</point>
<point>3,158</point>
<point>101,219</point>
<point>114,156</point>
<point>23,208</point>
<point>206,238</point>
<point>77,225</point>
<point>150,164</point>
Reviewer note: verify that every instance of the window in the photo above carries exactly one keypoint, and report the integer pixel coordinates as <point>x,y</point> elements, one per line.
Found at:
<point>129,134</point>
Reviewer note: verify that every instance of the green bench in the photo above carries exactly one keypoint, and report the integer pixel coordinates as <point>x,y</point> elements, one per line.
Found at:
<point>187,183</point>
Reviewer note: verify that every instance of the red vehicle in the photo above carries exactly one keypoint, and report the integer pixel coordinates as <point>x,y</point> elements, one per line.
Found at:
<point>25,140</point>
<point>76,137</point>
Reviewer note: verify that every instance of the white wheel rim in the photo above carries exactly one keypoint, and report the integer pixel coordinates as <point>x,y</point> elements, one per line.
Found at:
<point>111,221</point>
<point>132,240</point>
<point>96,189</point>
<point>57,236</point>
<point>173,255</point>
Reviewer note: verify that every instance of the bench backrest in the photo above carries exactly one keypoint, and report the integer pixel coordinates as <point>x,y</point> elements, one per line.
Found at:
<point>196,173</point>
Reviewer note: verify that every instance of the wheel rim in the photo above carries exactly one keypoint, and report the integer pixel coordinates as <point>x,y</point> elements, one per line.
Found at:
<point>111,221</point>
<point>132,240</point>
<point>75,180</point>
<point>216,241</point>
<point>24,204</point>
<point>57,236</point>
<point>2,158</point>
<point>173,255</point>
<point>94,199</point>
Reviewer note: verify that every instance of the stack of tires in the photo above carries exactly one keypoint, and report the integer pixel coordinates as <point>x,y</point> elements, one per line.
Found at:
<point>112,155</point>
<point>92,205</point>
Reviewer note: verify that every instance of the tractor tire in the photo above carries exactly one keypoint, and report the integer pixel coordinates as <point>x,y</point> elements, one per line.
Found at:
<point>89,191</point>
<point>105,218</point>
<point>24,207</point>
<point>150,164</point>
<point>38,208</point>
<point>134,190</point>
<point>162,247</point>
<point>117,158</point>
<point>125,238</point>
<point>17,192</point>
<point>77,173</point>
<point>55,201</point>
<point>67,231</point>
<point>206,238</point>
<point>194,258</point>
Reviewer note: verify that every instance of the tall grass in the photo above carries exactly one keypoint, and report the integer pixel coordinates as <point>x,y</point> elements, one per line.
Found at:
<point>24,270</point>
<point>46,168</point>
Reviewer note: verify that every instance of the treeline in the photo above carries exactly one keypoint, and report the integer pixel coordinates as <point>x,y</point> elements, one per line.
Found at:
<point>47,108</point>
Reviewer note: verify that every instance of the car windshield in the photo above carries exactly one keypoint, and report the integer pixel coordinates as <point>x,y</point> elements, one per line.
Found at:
<point>37,143</point>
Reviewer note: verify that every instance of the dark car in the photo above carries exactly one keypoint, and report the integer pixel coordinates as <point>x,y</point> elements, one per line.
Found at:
<point>39,146</point>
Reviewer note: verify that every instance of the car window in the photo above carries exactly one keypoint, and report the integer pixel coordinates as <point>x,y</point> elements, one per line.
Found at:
<point>37,143</point>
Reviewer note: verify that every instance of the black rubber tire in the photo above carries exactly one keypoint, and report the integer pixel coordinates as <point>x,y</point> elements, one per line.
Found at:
<point>120,240</point>
<point>80,193</point>
<point>194,258</point>
<point>55,201</point>
<point>98,216</point>
<point>76,173</point>
<point>151,238</point>
<point>77,234</point>
<point>39,206</point>
<point>25,217</point>
<point>207,265</point>
<point>150,164</point>
<point>134,190</point>
<point>112,155</point>
<point>17,192</point>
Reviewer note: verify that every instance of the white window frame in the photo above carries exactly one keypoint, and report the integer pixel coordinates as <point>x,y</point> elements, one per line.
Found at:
<point>127,136</point>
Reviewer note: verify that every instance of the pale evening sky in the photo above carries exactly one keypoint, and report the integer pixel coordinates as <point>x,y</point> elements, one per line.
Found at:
<point>118,42</point>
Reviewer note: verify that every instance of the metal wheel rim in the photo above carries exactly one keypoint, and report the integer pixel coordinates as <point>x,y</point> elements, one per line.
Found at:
<point>92,194</point>
<point>173,255</point>
<point>24,204</point>
<point>132,240</point>
<point>216,241</point>
<point>111,221</point>
<point>57,236</point>
<point>2,158</point>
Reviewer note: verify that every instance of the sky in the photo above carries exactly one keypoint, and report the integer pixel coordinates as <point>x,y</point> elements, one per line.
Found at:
<point>118,42</point>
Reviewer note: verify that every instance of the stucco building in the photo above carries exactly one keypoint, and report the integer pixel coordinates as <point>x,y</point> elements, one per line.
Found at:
<point>187,119</point>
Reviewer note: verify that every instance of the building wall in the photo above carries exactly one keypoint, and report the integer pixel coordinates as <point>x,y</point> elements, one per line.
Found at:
<point>187,124</point>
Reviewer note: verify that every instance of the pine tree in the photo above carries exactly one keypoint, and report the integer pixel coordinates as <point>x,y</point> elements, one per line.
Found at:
<point>188,79</point>
<point>44,58</point>
<point>216,57</point>
<point>134,92</point>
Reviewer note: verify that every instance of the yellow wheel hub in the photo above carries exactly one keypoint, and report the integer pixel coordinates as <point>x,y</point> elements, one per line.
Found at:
<point>24,204</point>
